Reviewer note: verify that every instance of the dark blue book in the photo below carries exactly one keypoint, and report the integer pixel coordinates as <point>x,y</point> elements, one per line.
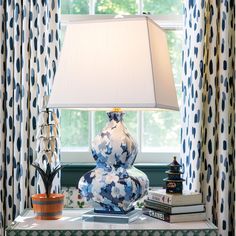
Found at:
<point>173,209</point>
<point>197,216</point>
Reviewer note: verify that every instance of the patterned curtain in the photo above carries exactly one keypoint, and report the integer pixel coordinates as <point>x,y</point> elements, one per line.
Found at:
<point>208,111</point>
<point>29,48</point>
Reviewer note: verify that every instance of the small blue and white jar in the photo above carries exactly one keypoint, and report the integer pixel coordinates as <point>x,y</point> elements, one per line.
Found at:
<point>114,184</point>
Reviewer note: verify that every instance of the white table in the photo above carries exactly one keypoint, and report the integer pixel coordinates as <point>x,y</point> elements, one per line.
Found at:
<point>72,224</point>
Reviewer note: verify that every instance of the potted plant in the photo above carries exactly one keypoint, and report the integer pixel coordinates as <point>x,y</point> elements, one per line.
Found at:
<point>47,206</point>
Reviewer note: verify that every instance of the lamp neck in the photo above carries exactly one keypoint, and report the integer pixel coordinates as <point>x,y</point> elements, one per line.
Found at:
<point>116,115</point>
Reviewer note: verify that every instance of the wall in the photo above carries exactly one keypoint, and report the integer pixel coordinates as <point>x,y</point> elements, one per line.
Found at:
<point>71,173</point>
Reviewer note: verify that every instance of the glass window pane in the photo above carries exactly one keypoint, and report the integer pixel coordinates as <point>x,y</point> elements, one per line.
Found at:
<point>162,128</point>
<point>160,7</point>
<point>74,7</point>
<point>174,39</point>
<point>130,121</point>
<point>161,131</point>
<point>100,120</point>
<point>74,128</point>
<point>123,7</point>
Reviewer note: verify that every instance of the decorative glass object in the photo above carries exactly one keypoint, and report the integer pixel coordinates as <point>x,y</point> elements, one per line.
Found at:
<point>48,147</point>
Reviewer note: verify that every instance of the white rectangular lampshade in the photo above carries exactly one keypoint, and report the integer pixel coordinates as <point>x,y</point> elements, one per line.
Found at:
<point>114,63</point>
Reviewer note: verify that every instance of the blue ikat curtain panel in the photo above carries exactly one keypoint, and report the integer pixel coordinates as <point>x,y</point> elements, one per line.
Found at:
<point>208,107</point>
<point>29,48</point>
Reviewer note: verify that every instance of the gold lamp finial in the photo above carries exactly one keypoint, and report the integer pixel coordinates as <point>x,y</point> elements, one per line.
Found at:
<point>116,109</point>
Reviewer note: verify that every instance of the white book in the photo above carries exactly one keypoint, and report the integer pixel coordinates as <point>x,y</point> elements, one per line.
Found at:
<point>177,199</point>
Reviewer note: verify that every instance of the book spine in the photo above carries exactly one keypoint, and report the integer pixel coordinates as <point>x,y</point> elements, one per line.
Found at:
<point>160,198</point>
<point>156,214</point>
<point>159,207</point>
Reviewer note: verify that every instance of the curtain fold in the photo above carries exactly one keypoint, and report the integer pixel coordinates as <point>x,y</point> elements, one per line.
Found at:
<point>208,110</point>
<point>29,50</point>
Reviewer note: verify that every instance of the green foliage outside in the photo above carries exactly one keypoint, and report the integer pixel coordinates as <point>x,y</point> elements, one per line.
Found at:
<point>74,128</point>
<point>74,7</point>
<point>126,7</point>
<point>161,7</point>
<point>160,128</point>
<point>116,7</point>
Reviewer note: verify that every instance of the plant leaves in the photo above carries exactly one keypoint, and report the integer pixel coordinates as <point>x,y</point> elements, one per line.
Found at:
<point>47,176</point>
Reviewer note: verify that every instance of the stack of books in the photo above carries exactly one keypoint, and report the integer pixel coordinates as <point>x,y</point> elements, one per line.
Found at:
<point>173,208</point>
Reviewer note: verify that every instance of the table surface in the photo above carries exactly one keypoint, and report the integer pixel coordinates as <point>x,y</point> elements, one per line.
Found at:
<point>72,220</point>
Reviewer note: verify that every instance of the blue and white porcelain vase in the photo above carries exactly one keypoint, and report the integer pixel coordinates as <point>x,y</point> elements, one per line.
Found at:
<point>114,184</point>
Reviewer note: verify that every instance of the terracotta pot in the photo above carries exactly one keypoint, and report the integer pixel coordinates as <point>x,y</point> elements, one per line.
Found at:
<point>48,208</point>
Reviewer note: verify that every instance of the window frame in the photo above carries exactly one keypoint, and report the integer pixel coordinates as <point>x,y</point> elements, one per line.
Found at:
<point>83,155</point>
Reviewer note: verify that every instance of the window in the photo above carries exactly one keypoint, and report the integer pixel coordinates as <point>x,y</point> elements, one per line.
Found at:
<point>157,133</point>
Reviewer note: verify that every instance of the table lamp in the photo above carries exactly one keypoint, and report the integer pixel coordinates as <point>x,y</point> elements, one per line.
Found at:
<point>114,64</point>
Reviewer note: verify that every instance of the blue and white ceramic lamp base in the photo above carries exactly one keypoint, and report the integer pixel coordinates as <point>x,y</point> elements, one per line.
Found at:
<point>114,184</point>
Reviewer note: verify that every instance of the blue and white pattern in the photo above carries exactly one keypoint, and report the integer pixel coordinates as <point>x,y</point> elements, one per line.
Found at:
<point>114,185</point>
<point>29,50</point>
<point>208,107</point>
